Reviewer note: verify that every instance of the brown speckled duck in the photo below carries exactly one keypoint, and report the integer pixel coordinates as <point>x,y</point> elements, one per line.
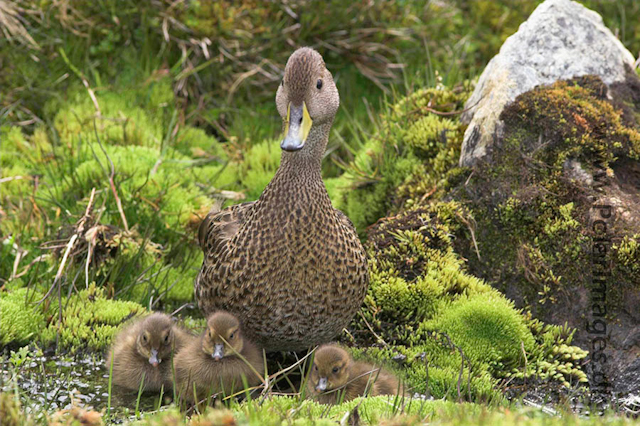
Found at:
<point>144,349</point>
<point>289,265</point>
<point>335,377</point>
<point>218,360</point>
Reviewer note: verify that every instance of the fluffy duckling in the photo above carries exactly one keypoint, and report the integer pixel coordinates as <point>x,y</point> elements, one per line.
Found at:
<point>334,372</point>
<point>217,361</point>
<point>143,350</point>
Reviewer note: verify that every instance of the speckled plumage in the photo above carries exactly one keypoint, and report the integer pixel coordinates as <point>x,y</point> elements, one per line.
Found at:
<point>289,265</point>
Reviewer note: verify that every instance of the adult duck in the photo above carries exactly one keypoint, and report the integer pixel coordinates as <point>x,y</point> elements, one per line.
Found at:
<point>288,265</point>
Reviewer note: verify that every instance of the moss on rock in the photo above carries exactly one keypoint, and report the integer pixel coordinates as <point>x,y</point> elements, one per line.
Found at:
<point>406,158</point>
<point>564,149</point>
<point>424,309</point>
<point>576,120</point>
<point>533,200</point>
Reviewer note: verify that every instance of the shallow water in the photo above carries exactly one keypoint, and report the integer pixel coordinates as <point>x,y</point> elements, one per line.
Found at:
<point>49,383</point>
<point>553,399</point>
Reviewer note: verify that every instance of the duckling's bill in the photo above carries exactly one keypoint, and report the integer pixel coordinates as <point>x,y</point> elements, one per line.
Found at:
<point>218,352</point>
<point>153,358</point>
<point>297,127</point>
<point>322,384</point>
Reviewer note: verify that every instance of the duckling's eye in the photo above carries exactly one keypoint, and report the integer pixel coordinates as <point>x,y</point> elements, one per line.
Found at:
<point>144,338</point>
<point>232,335</point>
<point>166,339</point>
<point>319,84</point>
<point>335,370</point>
<point>315,367</point>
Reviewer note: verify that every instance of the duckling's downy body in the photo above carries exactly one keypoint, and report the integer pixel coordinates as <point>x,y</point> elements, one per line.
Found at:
<point>143,350</point>
<point>289,265</point>
<point>336,377</point>
<point>214,363</point>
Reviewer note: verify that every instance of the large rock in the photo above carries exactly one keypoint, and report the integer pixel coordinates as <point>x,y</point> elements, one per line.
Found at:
<point>560,40</point>
<point>557,218</point>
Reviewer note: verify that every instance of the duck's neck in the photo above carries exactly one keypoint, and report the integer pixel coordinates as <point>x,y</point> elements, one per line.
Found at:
<point>309,158</point>
<point>299,179</point>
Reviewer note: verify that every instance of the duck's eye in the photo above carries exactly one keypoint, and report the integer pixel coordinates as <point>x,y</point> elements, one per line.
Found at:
<point>232,335</point>
<point>315,367</point>
<point>166,339</point>
<point>144,338</point>
<point>319,84</point>
<point>335,370</point>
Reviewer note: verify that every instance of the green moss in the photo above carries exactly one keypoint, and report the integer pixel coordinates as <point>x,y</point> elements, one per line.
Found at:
<point>89,320</point>
<point>22,320</point>
<point>414,264</point>
<point>21,157</point>
<point>162,174</point>
<point>371,410</point>
<point>407,157</point>
<point>194,142</point>
<point>433,366</point>
<point>578,119</point>
<point>487,328</point>
<point>277,410</point>
<point>627,253</point>
<point>423,306</point>
<point>260,163</point>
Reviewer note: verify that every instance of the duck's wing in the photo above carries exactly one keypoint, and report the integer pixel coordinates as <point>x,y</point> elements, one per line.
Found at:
<point>218,227</point>
<point>344,220</point>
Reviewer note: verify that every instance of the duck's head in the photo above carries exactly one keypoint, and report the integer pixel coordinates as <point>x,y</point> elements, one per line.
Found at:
<point>223,336</point>
<point>155,339</point>
<point>307,98</point>
<point>330,369</point>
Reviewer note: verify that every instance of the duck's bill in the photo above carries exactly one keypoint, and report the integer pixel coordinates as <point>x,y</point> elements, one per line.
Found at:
<point>153,359</point>
<point>218,352</point>
<point>297,127</point>
<point>322,384</point>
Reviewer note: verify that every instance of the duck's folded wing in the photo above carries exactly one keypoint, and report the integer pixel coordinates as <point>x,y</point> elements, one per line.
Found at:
<point>218,227</point>
<point>344,220</point>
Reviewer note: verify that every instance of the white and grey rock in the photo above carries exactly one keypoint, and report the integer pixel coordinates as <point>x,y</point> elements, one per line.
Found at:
<point>560,40</point>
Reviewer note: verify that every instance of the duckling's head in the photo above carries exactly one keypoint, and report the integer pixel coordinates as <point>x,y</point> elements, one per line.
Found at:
<point>155,340</point>
<point>330,369</point>
<point>306,99</point>
<point>223,336</point>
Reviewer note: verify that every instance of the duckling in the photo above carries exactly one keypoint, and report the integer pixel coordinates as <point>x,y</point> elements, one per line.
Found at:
<point>289,265</point>
<point>143,350</point>
<point>217,361</point>
<point>334,372</point>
